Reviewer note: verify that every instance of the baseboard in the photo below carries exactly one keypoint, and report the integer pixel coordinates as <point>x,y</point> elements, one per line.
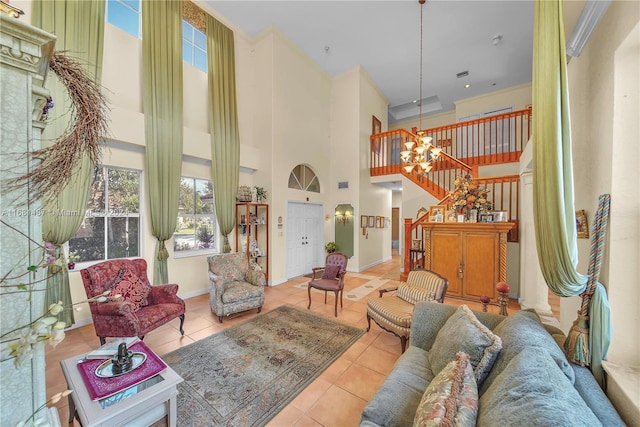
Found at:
<point>373,264</point>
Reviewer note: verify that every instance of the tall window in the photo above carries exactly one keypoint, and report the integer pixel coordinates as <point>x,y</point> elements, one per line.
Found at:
<point>125,14</point>
<point>196,227</point>
<point>194,46</point>
<point>111,227</point>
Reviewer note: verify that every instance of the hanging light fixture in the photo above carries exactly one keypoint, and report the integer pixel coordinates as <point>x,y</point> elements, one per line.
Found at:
<point>419,152</point>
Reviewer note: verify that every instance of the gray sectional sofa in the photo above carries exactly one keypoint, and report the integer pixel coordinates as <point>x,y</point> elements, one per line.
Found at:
<point>528,382</point>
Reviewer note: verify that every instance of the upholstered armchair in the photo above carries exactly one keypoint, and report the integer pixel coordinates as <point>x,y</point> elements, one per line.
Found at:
<point>394,312</point>
<point>330,278</point>
<point>142,307</point>
<point>233,285</point>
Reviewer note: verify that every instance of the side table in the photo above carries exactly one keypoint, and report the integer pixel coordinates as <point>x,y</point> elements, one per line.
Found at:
<point>139,405</point>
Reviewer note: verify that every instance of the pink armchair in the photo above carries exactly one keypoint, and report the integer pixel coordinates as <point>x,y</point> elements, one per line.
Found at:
<point>137,312</point>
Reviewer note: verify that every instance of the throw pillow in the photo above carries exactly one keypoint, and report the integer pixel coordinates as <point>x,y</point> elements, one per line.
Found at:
<point>533,391</point>
<point>464,332</point>
<point>451,398</point>
<point>414,294</point>
<point>132,289</point>
<point>520,330</point>
<point>331,272</point>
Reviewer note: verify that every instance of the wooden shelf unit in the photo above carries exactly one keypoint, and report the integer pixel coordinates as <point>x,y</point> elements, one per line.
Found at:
<point>472,256</point>
<point>252,223</point>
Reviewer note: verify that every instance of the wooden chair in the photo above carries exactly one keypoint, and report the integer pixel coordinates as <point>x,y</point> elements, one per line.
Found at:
<point>330,278</point>
<point>394,313</point>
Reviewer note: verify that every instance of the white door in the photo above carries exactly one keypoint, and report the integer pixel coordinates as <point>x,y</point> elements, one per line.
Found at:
<point>304,238</point>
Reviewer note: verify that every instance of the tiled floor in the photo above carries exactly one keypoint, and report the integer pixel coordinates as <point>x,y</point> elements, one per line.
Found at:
<point>335,398</point>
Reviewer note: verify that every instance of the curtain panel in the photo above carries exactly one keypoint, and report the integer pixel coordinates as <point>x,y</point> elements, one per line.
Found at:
<point>163,114</point>
<point>554,211</point>
<point>79,28</point>
<point>223,122</point>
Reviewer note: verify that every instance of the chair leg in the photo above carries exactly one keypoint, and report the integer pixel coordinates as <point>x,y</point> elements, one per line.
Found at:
<point>102,340</point>
<point>259,309</point>
<point>368,322</point>
<point>336,303</point>
<point>403,343</point>
<point>325,297</point>
<point>181,324</point>
<point>309,292</point>
<point>220,319</point>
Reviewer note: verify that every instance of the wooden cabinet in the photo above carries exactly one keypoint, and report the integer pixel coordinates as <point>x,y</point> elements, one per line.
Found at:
<point>252,233</point>
<point>473,257</point>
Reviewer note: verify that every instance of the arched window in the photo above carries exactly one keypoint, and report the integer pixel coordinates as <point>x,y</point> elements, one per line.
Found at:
<point>303,178</point>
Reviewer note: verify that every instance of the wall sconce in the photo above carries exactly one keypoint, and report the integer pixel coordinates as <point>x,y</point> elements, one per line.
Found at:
<point>343,217</point>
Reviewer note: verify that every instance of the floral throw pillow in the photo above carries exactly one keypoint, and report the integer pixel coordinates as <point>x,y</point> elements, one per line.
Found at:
<point>331,271</point>
<point>451,399</point>
<point>132,289</point>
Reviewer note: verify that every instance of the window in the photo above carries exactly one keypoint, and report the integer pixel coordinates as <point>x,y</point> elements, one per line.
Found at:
<point>125,14</point>
<point>303,178</point>
<point>194,46</point>
<point>196,226</point>
<point>111,226</point>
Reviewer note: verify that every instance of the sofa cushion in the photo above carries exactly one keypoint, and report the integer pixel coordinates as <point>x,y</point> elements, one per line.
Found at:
<point>131,287</point>
<point>240,291</point>
<point>524,329</point>
<point>451,398</point>
<point>396,401</point>
<point>464,332</point>
<point>532,391</point>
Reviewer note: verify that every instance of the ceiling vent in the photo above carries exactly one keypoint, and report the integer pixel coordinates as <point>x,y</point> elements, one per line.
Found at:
<point>343,184</point>
<point>462,74</point>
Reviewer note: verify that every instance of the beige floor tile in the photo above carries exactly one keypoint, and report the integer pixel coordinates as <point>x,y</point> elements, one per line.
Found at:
<point>360,381</point>
<point>337,407</point>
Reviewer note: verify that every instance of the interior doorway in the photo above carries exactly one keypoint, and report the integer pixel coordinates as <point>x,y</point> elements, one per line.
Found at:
<point>395,228</point>
<point>305,243</point>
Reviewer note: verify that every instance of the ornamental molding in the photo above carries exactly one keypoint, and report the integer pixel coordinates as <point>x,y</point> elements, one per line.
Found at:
<point>25,47</point>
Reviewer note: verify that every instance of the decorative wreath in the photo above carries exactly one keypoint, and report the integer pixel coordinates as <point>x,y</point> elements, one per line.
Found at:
<point>84,135</point>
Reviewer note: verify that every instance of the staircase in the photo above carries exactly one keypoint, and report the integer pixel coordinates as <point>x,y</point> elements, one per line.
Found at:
<point>466,148</point>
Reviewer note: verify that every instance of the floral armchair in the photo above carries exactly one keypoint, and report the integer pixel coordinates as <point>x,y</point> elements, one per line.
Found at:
<point>233,285</point>
<point>141,308</point>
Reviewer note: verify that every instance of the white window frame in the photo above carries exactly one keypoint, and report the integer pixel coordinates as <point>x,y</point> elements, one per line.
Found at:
<point>214,221</point>
<point>139,215</point>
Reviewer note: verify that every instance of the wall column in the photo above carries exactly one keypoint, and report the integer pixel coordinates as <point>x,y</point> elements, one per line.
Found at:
<point>534,292</point>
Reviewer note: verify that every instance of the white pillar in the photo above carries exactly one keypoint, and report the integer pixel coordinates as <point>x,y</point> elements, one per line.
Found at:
<point>534,292</point>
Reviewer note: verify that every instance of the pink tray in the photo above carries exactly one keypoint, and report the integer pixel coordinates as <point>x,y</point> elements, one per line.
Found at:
<point>99,388</point>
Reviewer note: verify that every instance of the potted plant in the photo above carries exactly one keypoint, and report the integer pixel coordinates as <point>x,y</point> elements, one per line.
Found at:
<point>73,257</point>
<point>330,247</point>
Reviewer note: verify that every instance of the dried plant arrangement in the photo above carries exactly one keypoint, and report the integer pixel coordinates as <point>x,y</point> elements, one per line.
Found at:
<point>84,135</point>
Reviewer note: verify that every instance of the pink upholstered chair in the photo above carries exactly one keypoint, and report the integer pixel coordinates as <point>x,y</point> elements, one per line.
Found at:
<point>330,278</point>
<point>137,312</point>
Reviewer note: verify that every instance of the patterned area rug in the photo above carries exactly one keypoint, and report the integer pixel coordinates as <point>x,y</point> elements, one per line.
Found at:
<point>245,375</point>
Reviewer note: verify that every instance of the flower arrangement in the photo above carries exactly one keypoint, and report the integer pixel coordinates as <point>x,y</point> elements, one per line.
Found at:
<point>468,195</point>
<point>261,193</point>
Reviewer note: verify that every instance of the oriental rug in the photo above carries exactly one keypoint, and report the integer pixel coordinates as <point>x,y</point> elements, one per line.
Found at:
<point>246,374</point>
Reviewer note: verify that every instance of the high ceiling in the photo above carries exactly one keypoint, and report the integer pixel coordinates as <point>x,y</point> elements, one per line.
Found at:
<point>491,40</point>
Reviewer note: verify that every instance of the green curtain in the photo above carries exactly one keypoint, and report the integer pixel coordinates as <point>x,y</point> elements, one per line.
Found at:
<point>79,28</point>
<point>223,122</point>
<point>554,212</point>
<point>163,112</point>
<point>599,331</point>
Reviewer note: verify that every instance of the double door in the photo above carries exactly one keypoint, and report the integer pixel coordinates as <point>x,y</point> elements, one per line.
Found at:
<point>471,256</point>
<point>305,245</point>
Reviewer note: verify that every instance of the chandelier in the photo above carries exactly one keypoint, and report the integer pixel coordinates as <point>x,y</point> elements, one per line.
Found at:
<point>419,152</point>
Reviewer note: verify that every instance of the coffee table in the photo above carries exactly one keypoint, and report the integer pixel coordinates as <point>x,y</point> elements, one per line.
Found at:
<point>139,405</point>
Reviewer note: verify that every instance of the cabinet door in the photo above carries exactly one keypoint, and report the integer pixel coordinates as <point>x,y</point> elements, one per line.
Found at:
<point>481,258</point>
<point>446,253</point>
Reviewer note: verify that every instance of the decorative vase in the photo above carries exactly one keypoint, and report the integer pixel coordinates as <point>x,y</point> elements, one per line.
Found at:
<point>71,265</point>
